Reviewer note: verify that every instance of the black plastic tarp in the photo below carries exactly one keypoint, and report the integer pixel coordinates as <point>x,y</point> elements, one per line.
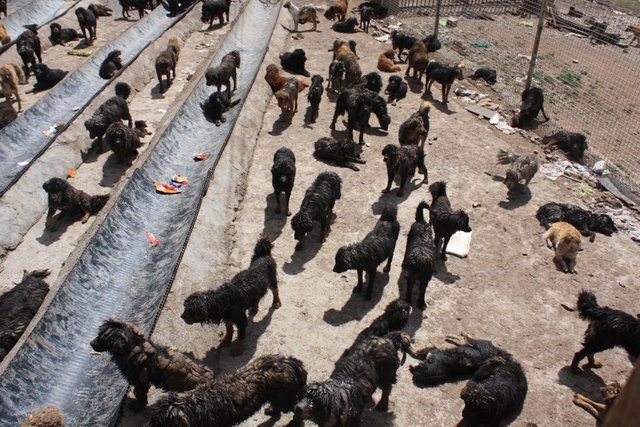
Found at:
<point>120,274</point>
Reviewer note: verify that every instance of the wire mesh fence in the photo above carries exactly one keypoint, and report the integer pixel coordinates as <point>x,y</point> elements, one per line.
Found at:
<point>588,71</point>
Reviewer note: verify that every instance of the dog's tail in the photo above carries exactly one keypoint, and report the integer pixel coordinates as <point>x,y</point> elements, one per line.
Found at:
<point>389,213</point>
<point>420,211</point>
<point>506,157</point>
<point>588,307</point>
<point>438,189</point>
<point>98,202</point>
<point>262,249</point>
<point>38,273</point>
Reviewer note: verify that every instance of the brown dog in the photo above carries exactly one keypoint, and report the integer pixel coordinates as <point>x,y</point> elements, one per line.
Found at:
<point>345,54</point>
<point>385,62</point>
<point>565,239</point>
<point>4,37</point>
<point>417,59</point>
<point>287,98</point>
<point>277,81</point>
<point>48,416</point>
<point>10,77</point>
<point>609,392</point>
<point>337,8</point>
<point>166,62</point>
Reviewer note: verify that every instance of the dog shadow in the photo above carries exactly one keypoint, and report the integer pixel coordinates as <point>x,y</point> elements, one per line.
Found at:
<point>516,199</point>
<point>82,44</point>
<point>280,125</point>
<point>443,274</point>
<point>63,221</point>
<point>254,331</point>
<point>588,383</point>
<point>392,196</point>
<point>415,85</point>
<point>300,258</point>
<point>212,27</point>
<point>443,108</point>
<point>332,95</point>
<point>310,117</point>
<point>356,307</point>
<point>273,222</point>
<point>373,417</point>
<point>112,171</point>
<point>156,93</point>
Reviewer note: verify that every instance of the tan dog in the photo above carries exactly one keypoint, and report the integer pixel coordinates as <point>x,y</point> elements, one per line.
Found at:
<point>418,59</point>
<point>345,54</point>
<point>10,77</point>
<point>385,62</point>
<point>565,239</point>
<point>277,81</point>
<point>4,37</point>
<point>287,98</point>
<point>308,13</point>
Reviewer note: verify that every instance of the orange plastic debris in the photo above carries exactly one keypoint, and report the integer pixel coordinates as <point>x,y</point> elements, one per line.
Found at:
<point>180,179</point>
<point>199,156</point>
<point>152,239</point>
<point>165,188</point>
<point>72,173</point>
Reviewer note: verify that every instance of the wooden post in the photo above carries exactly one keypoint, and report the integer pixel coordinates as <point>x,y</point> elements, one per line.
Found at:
<point>625,410</point>
<point>536,43</point>
<point>435,29</point>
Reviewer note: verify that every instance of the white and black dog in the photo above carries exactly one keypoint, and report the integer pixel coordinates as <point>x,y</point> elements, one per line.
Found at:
<point>305,14</point>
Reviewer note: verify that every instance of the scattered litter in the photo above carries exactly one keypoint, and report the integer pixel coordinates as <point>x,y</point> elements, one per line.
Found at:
<point>600,168</point>
<point>526,23</point>
<point>581,36</point>
<point>53,130</point>
<point>625,221</point>
<point>161,110</point>
<point>452,22</point>
<point>476,204</point>
<point>461,91</point>
<point>504,127</point>
<point>383,39</point>
<point>152,239</point>
<point>443,22</point>
<point>460,244</point>
<point>71,173</point>
<point>523,56</point>
<point>583,189</point>
<point>495,119</point>
<point>75,108</point>
<point>480,44</point>
<point>25,162</point>
<point>199,156</point>
<point>163,188</point>
<point>557,168</point>
<point>180,179</point>
<point>80,52</point>
<point>297,36</point>
<point>481,111</point>
<point>575,61</point>
<point>395,27</point>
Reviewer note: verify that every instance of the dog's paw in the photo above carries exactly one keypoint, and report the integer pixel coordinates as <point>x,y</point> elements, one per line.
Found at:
<point>595,365</point>
<point>382,407</point>
<point>288,213</point>
<point>357,289</point>
<point>386,190</point>
<point>422,306</point>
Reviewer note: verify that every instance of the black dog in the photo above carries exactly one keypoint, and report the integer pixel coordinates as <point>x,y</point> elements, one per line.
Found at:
<point>315,95</point>
<point>487,74</point>
<point>366,13</point>
<point>212,9</point>
<point>573,144</point>
<point>317,205</point>
<point>232,398</point>
<point>217,104</point>
<point>444,220</point>
<point>444,75</point>
<point>124,141</point>
<point>343,153</point>
<point>365,256</point>
<point>346,26</point>
<point>432,43</point>
<point>225,72</point>
<point>61,35</point>
<point>110,65</point>
<point>396,89</point>
<point>373,81</point>
<point>18,306</point>
<point>112,110</point>
<point>337,71</point>
<point>47,77</point>
<point>232,299</point>
<point>88,23</point>
<point>401,42</point>
<point>64,197</point>
<point>283,177</point>
<point>585,221</point>
<point>419,257</point>
<point>166,62</point>
<point>100,9</point>
<point>379,12</point>
<point>357,104</point>
<point>608,328</point>
<point>403,161</point>
<point>295,62</point>
<point>29,48</point>
<point>132,4</point>
<point>532,104</point>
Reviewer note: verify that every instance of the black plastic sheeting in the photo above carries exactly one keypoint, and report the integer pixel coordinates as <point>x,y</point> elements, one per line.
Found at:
<point>37,12</point>
<point>23,140</point>
<point>119,274</point>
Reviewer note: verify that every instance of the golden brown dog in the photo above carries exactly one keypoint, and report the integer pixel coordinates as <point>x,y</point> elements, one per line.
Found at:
<point>385,62</point>
<point>4,37</point>
<point>276,80</point>
<point>565,239</point>
<point>10,77</point>
<point>287,98</point>
<point>418,59</point>
<point>337,8</point>
<point>345,54</point>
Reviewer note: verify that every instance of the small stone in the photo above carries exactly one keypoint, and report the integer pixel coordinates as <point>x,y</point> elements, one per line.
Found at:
<point>524,254</point>
<point>476,204</point>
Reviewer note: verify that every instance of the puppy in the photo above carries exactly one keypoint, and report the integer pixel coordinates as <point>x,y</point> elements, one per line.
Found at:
<point>143,362</point>
<point>585,221</point>
<point>417,59</point>
<point>413,131</point>
<point>396,89</point>
<point>10,77</point>
<point>347,26</point>
<point>419,257</point>
<point>336,76</point>
<point>70,201</point>
<point>230,301</point>
<point>609,392</point>
<point>46,77</point>
<point>88,23</point>
<point>225,72</point>
<point>487,74</point>
<point>216,105</point>
<point>386,62</point>
<point>307,13</point>
<point>365,256</point>
<point>61,36</point>
<point>4,36</point>
<point>112,110</point>
<point>287,98</point>
<point>111,64</point>
<point>342,153</point>
<point>49,416</point>
<point>444,220</point>
<point>403,161</point>
<point>294,62</point>
<point>212,9</point>
<point>283,176</point>
<point>366,13</point>
<point>100,9</point>
<point>166,62</point>
<point>315,95</point>
<point>573,144</point>
<point>565,240</point>
<point>532,104</point>
<point>608,328</point>
<point>29,48</point>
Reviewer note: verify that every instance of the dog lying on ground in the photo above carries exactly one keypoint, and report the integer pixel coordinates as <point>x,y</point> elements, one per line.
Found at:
<point>143,362</point>
<point>166,62</point>
<point>365,256</point>
<point>64,197</point>
<point>403,161</point>
<point>230,301</point>
<point>112,110</point>
<point>444,220</point>
<point>317,205</point>
<point>532,104</point>
<point>10,77</point>
<point>366,13</point>
<point>61,35</point>
<point>344,52</point>
<point>565,240</point>
<point>412,131</point>
<point>276,80</point>
<point>212,9</point>
<point>88,23</point>
<point>444,75</point>
<point>294,62</point>
<point>337,9</point>
<point>216,105</point>
<point>608,328</point>
<point>4,36</point>
<point>609,392</point>
<point>346,26</point>
<point>396,89</point>
<point>232,398</point>
<point>100,9</point>
<point>287,98</point>
<point>487,74</point>
<point>49,416</point>
<point>401,42</point>
<point>29,48</point>
<point>419,262</point>
<point>522,167</point>
<point>336,76</point>
<point>111,64</point>
<point>315,95</point>
<point>418,59</point>
<point>18,307</point>
<point>386,62</point>
<point>225,72</point>
<point>283,177</point>
<point>373,82</point>
<point>585,221</point>
<point>308,13</point>
<point>343,153</point>
<point>7,115</point>
<point>46,77</point>
<point>124,141</point>
<point>573,144</point>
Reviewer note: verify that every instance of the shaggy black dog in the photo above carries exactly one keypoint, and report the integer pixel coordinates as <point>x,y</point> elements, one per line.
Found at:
<point>444,220</point>
<point>295,62</point>
<point>347,26</point>
<point>112,110</point>
<point>166,62</point>
<point>341,399</point>
<point>343,153</point>
<point>444,75</point>
<point>432,43</point>
<point>61,35</point>
<point>373,81</point>
<point>100,9</point>
<point>315,95</point>
<point>379,12</point>
<point>403,161</point>
<point>396,89</point>
<point>573,144</point>
<point>232,299</point>
<point>29,48</point>
<point>587,222</point>
<point>110,65</point>
<point>225,72</point>
<point>336,78</point>
<point>18,306</point>
<point>132,4</point>
<point>283,177</point>
<point>487,74</point>
<point>217,104</point>
<point>365,256</point>
<point>357,104</point>
<point>413,130</point>
<point>212,9</point>
<point>608,328</point>
<point>366,13</point>
<point>317,205</point>
<point>46,77</point>
<point>232,398</point>
<point>63,197</point>
<point>143,362</point>
<point>401,42</point>
<point>88,23</point>
<point>419,262</point>
<point>532,104</point>
<point>124,141</point>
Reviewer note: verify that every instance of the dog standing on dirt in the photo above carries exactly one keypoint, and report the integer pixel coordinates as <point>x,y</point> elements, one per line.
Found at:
<point>61,35</point>
<point>276,80</point>
<point>111,64</point>
<point>444,220</point>
<point>403,161</point>
<point>29,48</point>
<point>225,72</point>
<point>413,131</point>
<point>532,104</point>
<point>283,177</point>
<point>216,105</point>
<point>396,89</point>
<point>401,42</point>
<point>230,301</point>
<point>565,240</point>
<point>88,23</point>
<point>287,98</point>
<point>522,167</point>
<point>166,62</point>
<point>419,262</point>
<point>315,95</point>
<point>308,13</point>
<point>212,9</point>
<point>10,77</point>
<point>343,153</point>
<point>444,75</point>
<point>337,9</point>
<point>124,141</point>
<point>64,197</point>
<point>112,110</point>
<point>344,52</point>
<point>4,36</point>
<point>418,59</point>
<point>336,76</point>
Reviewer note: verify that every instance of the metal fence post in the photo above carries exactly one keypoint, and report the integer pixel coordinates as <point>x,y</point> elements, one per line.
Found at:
<point>536,43</point>
<point>437,26</point>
